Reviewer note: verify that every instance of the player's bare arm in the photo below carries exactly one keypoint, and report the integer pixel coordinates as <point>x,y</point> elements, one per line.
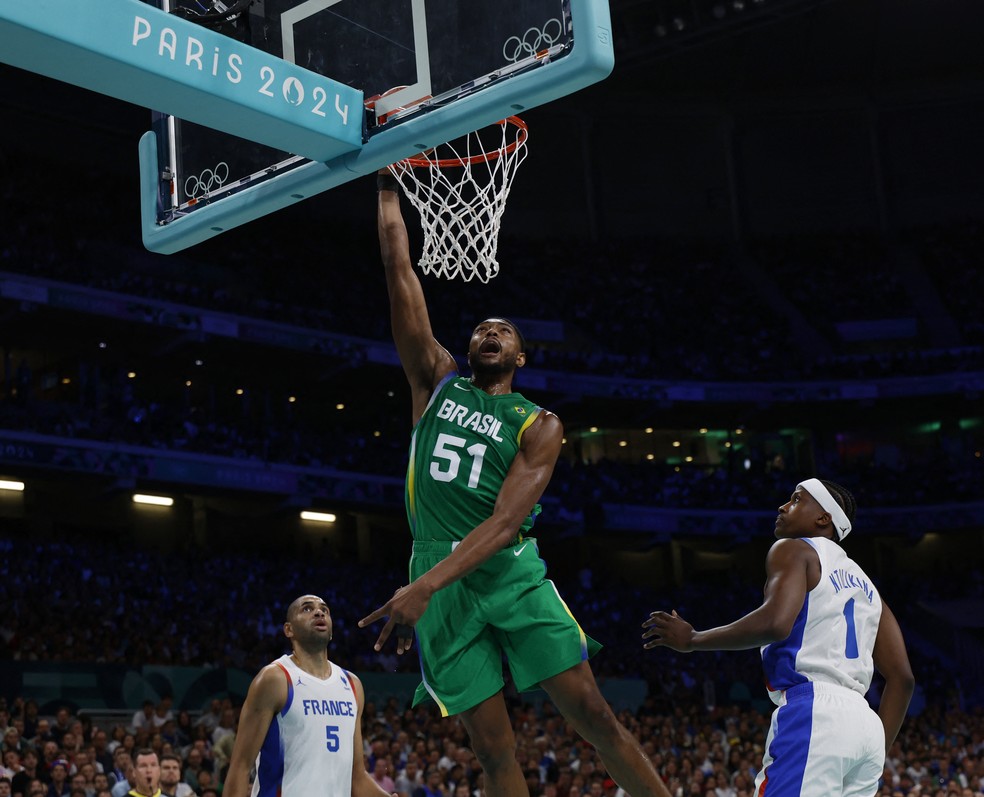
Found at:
<point>267,695</point>
<point>362,783</point>
<point>424,360</point>
<point>525,482</point>
<point>792,569</point>
<point>892,661</point>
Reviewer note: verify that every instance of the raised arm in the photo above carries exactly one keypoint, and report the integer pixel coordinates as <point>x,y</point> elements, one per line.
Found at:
<point>525,482</point>
<point>788,579</point>
<point>892,661</point>
<point>267,695</point>
<point>424,360</point>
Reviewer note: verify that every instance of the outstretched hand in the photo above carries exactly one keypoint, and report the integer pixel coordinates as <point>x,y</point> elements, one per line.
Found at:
<point>668,630</point>
<point>403,610</point>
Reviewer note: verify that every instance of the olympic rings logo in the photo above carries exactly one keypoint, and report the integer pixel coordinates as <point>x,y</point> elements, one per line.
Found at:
<point>201,185</point>
<point>534,40</point>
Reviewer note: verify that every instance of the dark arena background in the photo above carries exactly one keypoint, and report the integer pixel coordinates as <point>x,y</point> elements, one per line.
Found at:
<point>750,256</point>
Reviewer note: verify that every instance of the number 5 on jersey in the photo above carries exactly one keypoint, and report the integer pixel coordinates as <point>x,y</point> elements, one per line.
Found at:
<point>331,731</point>
<point>447,461</point>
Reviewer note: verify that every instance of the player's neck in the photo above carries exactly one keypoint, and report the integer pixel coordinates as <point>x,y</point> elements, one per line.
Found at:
<point>312,662</point>
<point>494,385</point>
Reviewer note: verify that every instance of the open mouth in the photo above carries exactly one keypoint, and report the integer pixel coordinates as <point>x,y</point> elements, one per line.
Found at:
<point>490,346</point>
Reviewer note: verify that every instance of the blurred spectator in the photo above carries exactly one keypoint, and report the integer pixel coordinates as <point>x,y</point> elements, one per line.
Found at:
<point>122,772</point>
<point>144,718</point>
<point>171,782</point>
<point>193,766</point>
<point>433,784</point>
<point>410,778</point>
<point>162,712</point>
<point>381,774</point>
<point>58,784</point>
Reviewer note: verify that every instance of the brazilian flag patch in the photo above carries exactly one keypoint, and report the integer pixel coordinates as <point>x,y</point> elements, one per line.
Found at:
<point>520,410</point>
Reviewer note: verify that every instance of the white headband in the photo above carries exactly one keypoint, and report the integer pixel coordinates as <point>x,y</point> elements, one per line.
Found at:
<point>842,526</point>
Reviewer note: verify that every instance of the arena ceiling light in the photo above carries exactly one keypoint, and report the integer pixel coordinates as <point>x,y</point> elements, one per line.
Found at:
<point>9,484</point>
<point>153,500</point>
<point>317,517</point>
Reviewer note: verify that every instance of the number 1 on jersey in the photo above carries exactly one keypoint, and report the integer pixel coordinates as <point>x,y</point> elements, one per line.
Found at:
<point>444,450</point>
<point>851,643</point>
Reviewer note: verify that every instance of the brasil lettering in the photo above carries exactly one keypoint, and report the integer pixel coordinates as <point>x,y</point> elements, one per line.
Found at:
<point>231,67</point>
<point>476,421</point>
<point>328,708</point>
<point>845,579</point>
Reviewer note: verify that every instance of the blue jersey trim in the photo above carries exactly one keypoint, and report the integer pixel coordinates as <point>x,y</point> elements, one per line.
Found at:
<point>290,691</point>
<point>270,763</point>
<point>790,748</point>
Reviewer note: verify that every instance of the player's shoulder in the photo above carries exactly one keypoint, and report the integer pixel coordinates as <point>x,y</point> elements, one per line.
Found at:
<point>274,673</point>
<point>270,688</point>
<point>790,549</point>
<point>546,426</point>
<point>548,417</point>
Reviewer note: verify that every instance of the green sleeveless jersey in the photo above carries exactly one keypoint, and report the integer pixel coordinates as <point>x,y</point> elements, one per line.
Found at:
<point>460,452</point>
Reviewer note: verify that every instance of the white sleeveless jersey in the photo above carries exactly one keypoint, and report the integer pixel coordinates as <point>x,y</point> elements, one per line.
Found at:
<point>834,634</point>
<point>309,748</point>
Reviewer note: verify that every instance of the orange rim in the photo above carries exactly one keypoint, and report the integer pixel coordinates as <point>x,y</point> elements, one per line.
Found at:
<point>482,157</point>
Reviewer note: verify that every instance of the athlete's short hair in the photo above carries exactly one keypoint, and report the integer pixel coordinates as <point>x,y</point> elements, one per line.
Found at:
<point>843,497</point>
<point>291,608</point>
<point>519,334</point>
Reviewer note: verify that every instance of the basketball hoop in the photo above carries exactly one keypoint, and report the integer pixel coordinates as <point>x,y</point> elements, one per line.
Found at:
<point>460,190</point>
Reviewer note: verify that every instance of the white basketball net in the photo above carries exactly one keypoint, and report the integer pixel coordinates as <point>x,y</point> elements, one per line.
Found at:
<point>460,190</point>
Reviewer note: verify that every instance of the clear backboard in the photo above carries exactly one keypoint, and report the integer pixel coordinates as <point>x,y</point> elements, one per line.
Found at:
<point>428,71</point>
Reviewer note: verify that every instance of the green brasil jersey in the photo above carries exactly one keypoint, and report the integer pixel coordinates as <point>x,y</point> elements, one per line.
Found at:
<point>460,452</point>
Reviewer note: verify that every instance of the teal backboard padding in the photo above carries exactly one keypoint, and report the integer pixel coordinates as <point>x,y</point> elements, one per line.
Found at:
<point>135,52</point>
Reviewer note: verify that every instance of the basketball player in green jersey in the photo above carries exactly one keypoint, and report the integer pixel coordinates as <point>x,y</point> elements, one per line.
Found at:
<point>480,458</point>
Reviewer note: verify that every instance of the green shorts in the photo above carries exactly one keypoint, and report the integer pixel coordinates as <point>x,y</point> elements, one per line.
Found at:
<point>506,606</point>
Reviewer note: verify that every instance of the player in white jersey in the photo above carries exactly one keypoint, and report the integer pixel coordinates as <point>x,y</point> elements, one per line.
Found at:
<point>823,629</point>
<point>301,723</point>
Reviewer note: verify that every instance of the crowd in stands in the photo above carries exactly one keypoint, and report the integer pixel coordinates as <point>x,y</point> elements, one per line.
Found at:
<point>653,310</point>
<point>83,600</point>
<point>700,750</point>
<point>851,276</point>
<point>935,480</point>
<point>648,309</point>
<point>176,426</point>
<point>949,471</point>
<point>703,723</point>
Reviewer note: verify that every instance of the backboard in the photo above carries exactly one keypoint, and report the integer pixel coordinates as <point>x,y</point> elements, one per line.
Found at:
<point>428,71</point>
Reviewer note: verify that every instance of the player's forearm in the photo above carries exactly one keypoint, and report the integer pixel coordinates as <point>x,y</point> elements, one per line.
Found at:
<point>394,243</point>
<point>755,629</point>
<point>482,543</point>
<point>236,782</point>
<point>894,704</point>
